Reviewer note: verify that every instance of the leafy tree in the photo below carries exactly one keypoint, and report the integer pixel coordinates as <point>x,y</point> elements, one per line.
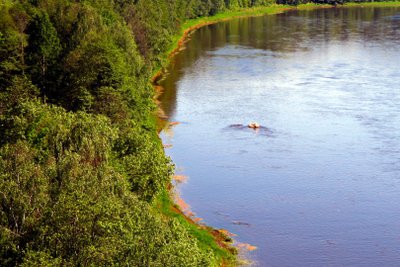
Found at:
<point>65,200</point>
<point>43,50</point>
<point>12,43</point>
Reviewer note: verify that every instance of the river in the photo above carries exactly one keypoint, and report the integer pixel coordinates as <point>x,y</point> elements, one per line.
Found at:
<point>319,183</point>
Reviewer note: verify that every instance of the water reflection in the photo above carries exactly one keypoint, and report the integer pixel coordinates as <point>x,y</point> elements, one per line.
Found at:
<point>285,33</point>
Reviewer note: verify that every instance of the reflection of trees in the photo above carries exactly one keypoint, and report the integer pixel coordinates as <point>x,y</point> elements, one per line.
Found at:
<point>282,33</point>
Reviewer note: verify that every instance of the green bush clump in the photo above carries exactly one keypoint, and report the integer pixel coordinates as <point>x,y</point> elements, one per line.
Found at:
<point>67,201</point>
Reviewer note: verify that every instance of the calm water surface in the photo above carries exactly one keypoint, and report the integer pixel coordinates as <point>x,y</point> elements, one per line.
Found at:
<point>320,185</point>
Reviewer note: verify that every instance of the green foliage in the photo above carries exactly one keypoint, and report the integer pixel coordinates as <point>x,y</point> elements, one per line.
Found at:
<point>144,163</point>
<point>40,258</point>
<point>43,49</point>
<point>65,200</point>
<point>13,42</point>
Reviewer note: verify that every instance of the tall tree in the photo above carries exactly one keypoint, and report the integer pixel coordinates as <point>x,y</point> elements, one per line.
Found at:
<point>43,49</point>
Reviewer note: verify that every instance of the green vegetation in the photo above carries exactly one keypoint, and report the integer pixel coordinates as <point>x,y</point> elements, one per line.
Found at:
<point>203,233</point>
<point>372,4</point>
<point>83,176</point>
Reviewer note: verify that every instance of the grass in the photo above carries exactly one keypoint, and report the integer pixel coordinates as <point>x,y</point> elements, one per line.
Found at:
<point>207,237</point>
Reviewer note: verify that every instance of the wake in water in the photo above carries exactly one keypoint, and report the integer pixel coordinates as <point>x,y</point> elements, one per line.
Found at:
<point>259,130</point>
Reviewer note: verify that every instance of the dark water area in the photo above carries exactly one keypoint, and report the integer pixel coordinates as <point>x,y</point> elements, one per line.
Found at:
<point>319,183</point>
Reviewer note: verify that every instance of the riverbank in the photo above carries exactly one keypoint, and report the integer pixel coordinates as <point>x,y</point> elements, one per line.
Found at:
<point>192,25</point>
<point>208,237</point>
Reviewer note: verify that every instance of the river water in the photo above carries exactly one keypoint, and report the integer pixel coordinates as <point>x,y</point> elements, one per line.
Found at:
<point>319,183</point>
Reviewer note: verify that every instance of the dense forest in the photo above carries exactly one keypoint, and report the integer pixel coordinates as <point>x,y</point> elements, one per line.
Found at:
<point>80,160</point>
<point>81,165</point>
